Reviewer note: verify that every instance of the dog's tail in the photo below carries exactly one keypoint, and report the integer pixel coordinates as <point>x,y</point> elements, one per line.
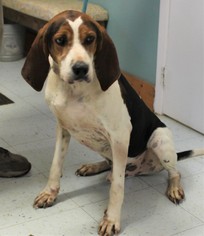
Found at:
<point>190,153</point>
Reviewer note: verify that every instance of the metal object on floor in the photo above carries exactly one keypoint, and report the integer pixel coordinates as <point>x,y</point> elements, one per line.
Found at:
<point>12,46</point>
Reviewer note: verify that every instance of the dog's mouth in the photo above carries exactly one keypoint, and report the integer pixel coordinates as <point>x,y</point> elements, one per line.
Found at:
<point>80,79</point>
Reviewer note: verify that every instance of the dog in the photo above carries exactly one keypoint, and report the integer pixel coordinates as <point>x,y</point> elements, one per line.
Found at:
<point>94,103</point>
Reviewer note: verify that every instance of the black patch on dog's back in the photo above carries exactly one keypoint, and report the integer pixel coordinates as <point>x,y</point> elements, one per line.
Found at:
<point>143,120</point>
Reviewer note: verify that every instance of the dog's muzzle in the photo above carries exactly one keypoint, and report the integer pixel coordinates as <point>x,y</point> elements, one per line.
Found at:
<point>80,71</point>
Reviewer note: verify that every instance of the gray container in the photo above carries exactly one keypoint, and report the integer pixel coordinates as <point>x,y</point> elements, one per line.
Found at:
<point>13,41</point>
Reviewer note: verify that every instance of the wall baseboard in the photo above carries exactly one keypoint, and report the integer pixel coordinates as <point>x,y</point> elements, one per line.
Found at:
<point>144,89</point>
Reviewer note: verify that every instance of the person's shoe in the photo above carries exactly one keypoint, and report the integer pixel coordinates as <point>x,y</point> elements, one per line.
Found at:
<point>13,165</point>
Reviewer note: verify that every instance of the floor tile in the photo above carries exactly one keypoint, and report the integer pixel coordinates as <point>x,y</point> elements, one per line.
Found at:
<point>197,231</point>
<point>18,196</point>
<point>74,222</point>
<point>24,130</point>
<point>194,194</point>
<point>147,212</point>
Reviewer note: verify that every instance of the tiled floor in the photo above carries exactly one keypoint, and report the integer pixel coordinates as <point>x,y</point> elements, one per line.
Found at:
<point>27,127</point>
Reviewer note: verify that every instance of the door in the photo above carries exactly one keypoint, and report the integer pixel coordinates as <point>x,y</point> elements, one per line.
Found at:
<point>183,63</point>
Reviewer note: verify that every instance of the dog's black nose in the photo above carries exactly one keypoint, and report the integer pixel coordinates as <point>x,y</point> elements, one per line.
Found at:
<point>80,70</point>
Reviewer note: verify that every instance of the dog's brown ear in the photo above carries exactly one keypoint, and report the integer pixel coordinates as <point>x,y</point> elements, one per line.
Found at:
<point>106,61</point>
<point>36,66</point>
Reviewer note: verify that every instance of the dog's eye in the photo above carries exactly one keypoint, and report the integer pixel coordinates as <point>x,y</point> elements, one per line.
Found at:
<point>89,39</point>
<point>61,41</point>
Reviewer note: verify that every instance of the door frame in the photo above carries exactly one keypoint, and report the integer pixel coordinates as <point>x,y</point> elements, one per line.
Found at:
<point>161,55</point>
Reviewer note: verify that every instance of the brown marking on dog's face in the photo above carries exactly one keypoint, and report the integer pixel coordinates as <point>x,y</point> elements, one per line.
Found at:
<point>108,72</point>
<point>57,38</point>
<point>72,41</point>
<point>88,37</point>
<point>36,66</point>
<point>60,42</point>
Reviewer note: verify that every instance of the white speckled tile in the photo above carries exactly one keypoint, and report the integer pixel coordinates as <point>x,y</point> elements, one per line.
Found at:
<point>61,223</point>
<point>147,212</point>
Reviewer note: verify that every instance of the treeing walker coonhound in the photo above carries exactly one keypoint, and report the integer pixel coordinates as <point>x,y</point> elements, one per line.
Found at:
<point>94,103</point>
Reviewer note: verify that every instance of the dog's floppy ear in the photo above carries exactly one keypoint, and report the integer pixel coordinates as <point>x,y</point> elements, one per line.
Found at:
<point>36,66</point>
<point>106,61</point>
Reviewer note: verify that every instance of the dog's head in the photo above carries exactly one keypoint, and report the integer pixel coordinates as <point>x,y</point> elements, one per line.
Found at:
<point>76,47</point>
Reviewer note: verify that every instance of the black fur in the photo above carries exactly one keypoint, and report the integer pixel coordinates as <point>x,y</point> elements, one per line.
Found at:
<point>143,120</point>
<point>184,155</point>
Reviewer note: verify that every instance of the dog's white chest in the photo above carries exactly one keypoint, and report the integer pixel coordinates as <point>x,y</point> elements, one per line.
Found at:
<point>91,116</point>
<point>82,120</point>
<point>85,125</point>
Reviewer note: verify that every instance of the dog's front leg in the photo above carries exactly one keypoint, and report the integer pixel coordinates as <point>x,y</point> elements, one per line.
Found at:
<point>111,220</point>
<point>47,197</point>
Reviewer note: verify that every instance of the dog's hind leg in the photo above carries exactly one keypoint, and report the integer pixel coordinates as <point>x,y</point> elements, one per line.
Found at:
<point>144,164</point>
<point>161,143</point>
<point>93,169</point>
<point>47,197</point>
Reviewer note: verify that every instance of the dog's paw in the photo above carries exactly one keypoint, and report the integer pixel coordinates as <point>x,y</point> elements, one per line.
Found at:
<point>87,170</point>
<point>45,199</point>
<point>108,227</point>
<point>175,194</point>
